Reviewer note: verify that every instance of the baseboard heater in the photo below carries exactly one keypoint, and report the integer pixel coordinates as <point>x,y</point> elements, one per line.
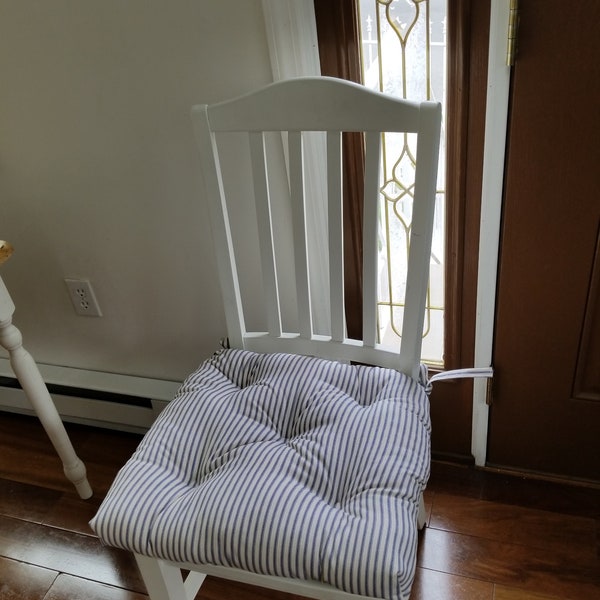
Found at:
<point>100,399</point>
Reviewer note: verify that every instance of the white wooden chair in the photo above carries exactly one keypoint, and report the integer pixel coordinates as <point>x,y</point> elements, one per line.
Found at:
<point>35,389</point>
<point>338,453</point>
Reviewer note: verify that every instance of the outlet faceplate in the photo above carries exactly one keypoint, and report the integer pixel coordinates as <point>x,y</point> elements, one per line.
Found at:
<point>83,298</point>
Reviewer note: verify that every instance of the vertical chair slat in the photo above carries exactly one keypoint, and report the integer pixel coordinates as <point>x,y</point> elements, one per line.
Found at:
<point>265,231</point>
<point>296,166</point>
<point>336,235</point>
<point>370,225</point>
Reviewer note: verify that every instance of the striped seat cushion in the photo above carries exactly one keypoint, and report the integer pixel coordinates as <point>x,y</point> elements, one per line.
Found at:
<point>282,465</point>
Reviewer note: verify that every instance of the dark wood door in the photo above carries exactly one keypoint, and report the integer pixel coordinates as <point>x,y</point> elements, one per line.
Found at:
<point>546,409</point>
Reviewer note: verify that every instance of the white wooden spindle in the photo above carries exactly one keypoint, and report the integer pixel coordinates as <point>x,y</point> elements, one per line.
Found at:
<point>265,231</point>
<point>36,392</point>
<point>296,163</point>
<point>370,225</point>
<point>336,235</point>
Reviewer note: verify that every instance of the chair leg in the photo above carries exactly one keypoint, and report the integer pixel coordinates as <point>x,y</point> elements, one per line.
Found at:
<point>165,582</point>
<point>36,392</point>
<point>422,517</point>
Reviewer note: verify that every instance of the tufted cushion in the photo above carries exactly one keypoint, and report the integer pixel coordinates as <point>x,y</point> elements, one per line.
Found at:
<point>282,465</point>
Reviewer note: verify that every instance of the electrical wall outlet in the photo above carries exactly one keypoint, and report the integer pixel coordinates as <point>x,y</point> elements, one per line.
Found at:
<point>83,298</point>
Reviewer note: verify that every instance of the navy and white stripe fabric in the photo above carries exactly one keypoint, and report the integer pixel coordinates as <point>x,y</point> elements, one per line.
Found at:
<point>282,465</point>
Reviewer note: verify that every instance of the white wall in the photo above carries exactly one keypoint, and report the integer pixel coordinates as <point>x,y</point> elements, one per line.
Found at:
<point>98,174</point>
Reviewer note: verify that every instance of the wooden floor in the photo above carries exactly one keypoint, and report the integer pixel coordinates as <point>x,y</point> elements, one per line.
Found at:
<point>489,536</point>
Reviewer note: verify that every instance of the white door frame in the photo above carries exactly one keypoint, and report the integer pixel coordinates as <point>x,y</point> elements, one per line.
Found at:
<point>496,121</point>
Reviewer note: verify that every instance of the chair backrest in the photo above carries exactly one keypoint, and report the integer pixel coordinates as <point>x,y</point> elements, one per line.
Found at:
<point>332,106</point>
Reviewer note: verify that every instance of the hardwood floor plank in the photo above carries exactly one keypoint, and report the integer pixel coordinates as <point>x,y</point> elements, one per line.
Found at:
<point>67,552</point>
<point>515,524</point>
<point>67,587</point>
<point>35,504</point>
<point>545,571</point>
<point>433,585</point>
<point>20,581</point>
<point>504,593</point>
<point>25,501</point>
<point>72,513</point>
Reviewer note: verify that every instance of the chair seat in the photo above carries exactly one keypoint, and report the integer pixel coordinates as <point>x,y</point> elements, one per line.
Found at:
<point>283,465</point>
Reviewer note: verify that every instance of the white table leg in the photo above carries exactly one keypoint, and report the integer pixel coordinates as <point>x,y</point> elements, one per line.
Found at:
<point>37,393</point>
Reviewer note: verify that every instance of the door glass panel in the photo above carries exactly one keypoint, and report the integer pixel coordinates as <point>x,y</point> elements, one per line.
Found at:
<point>404,54</point>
